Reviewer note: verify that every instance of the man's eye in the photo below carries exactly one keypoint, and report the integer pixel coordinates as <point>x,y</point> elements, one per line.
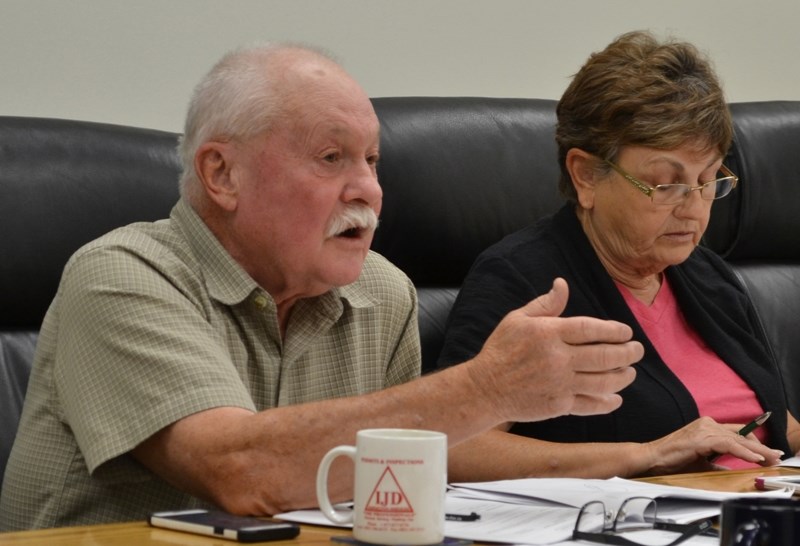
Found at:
<point>331,157</point>
<point>373,159</point>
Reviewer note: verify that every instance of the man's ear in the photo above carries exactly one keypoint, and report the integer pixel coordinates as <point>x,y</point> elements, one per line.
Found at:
<point>213,164</point>
<point>580,166</point>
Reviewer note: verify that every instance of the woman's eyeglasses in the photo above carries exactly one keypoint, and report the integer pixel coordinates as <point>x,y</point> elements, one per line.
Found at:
<point>672,194</point>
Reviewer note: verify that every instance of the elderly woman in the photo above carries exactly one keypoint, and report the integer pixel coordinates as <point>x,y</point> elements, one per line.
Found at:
<point>642,132</point>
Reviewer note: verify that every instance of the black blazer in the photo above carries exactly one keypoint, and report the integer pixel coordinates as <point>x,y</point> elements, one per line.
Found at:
<point>523,265</point>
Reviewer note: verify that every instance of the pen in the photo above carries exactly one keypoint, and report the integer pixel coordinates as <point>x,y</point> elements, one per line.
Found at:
<point>474,516</point>
<point>754,424</point>
<point>745,430</point>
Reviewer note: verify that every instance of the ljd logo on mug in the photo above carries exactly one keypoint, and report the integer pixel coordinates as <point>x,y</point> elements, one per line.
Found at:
<point>388,495</point>
<point>400,481</point>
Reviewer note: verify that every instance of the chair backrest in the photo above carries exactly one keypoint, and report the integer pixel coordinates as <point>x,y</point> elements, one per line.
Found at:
<point>62,184</point>
<point>458,174</point>
<point>757,229</point>
<point>16,357</point>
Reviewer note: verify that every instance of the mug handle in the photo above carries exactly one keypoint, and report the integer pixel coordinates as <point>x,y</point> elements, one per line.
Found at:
<point>322,484</point>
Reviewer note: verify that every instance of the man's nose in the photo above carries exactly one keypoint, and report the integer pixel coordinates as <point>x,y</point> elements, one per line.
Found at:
<point>364,185</point>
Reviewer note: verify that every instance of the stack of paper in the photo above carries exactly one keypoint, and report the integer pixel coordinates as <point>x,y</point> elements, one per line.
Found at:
<point>543,510</point>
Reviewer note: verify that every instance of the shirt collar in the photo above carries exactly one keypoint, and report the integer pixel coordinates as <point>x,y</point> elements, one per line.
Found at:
<point>225,279</point>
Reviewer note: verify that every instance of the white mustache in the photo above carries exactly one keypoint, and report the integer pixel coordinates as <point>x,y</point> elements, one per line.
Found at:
<point>354,216</point>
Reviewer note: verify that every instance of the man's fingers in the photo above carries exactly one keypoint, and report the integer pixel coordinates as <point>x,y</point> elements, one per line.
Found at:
<point>603,357</point>
<point>577,364</point>
<point>601,384</point>
<point>595,405</point>
<point>583,330</point>
<point>551,304</point>
<point>576,330</point>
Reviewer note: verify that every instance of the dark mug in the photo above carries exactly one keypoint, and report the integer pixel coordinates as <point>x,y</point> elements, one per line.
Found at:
<point>765,521</point>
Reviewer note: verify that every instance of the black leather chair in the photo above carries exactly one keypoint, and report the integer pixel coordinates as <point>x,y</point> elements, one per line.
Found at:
<point>758,229</point>
<point>62,184</point>
<point>458,174</point>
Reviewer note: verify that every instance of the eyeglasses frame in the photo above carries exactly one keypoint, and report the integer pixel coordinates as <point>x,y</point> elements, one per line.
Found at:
<point>609,535</point>
<point>650,191</point>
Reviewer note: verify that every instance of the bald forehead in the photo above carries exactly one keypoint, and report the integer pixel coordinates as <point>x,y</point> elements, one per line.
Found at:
<point>297,62</point>
<point>305,77</point>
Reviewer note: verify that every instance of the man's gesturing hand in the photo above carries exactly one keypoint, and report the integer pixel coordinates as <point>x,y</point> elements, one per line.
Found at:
<point>537,365</point>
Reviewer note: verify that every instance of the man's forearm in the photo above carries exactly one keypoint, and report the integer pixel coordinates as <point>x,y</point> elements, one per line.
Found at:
<point>266,462</point>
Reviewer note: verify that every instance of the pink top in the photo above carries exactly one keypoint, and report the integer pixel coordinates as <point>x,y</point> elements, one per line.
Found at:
<point>717,390</point>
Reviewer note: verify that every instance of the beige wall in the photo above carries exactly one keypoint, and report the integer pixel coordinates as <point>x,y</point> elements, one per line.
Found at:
<point>135,61</point>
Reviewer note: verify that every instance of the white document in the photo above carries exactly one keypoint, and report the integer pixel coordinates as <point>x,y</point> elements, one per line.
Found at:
<point>499,521</point>
<point>677,504</point>
<point>512,523</point>
<point>541,511</point>
<point>536,524</point>
<point>793,462</point>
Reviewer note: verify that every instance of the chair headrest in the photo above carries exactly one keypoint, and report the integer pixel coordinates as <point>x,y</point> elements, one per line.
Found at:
<point>62,184</point>
<point>458,174</point>
<point>761,218</point>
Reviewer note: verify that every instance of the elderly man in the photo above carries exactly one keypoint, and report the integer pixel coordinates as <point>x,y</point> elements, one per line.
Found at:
<point>214,357</point>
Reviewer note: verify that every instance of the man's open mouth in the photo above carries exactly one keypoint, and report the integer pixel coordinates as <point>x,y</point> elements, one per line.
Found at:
<point>352,233</point>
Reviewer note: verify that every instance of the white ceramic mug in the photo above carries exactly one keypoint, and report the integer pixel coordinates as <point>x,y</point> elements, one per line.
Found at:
<point>400,482</point>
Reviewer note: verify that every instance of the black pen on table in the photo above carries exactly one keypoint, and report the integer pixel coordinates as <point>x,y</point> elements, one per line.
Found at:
<point>745,430</point>
<point>474,516</point>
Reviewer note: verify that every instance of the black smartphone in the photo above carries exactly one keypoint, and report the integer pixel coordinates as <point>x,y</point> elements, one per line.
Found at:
<point>224,525</point>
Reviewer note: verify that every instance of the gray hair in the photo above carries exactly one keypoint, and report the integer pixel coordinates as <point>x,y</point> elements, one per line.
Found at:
<point>239,98</point>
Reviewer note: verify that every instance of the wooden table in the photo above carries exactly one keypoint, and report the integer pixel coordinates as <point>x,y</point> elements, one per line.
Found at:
<point>722,480</point>
<point>140,534</point>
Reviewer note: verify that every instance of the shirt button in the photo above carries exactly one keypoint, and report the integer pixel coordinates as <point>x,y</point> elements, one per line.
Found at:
<point>260,301</point>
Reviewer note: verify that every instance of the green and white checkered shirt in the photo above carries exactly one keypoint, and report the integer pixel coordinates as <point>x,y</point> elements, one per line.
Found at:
<point>154,322</point>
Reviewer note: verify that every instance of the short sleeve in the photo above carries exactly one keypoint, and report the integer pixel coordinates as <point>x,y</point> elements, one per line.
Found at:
<point>134,353</point>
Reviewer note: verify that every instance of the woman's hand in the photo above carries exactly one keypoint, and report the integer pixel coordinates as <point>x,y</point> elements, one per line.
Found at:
<point>689,448</point>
